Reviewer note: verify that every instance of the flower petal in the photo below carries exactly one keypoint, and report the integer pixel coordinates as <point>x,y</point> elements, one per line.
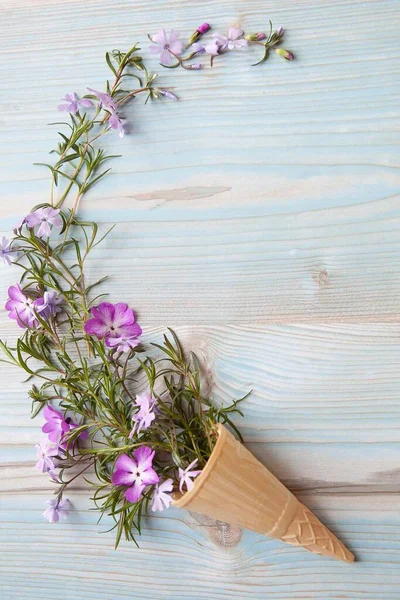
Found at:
<point>160,37</point>
<point>144,457</point>
<point>123,315</point>
<point>149,477</point>
<point>123,478</point>
<point>133,493</point>
<point>125,463</point>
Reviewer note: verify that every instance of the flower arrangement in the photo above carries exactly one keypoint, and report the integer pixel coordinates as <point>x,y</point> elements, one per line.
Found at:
<point>136,422</point>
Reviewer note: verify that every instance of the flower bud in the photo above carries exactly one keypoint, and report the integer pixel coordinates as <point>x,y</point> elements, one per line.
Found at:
<point>255,37</point>
<point>203,28</point>
<point>284,53</point>
<point>168,95</point>
<point>197,34</point>
<point>194,67</point>
<point>280,31</point>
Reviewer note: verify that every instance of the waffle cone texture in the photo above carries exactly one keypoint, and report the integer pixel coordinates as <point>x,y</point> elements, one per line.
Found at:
<point>235,487</point>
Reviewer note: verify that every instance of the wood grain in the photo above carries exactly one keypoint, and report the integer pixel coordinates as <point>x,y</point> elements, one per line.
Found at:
<point>260,216</point>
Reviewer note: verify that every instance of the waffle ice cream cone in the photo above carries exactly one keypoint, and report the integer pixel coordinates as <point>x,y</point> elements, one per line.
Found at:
<point>235,487</point>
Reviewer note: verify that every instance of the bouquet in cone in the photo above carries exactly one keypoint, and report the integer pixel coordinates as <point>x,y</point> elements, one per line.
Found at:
<point>134,420</point>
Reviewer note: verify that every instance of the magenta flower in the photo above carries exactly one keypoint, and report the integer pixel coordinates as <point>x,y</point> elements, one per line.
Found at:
<point>165,44</point>
<point>105,99</point>
<point>44,217</point>
<point>145,416</point>
<point>135,472</point>
<point>57,508</point>
<point>57,426</point>
<point>161,497</point>
<point>123,344</point>
<point>233,40</point>
<point>5,251</point>
<point>45,452</point>
<point>73,102</point>
<point>116,123</point>
<point>21,308</point>
<point>186,476</point>
<point>51,305</point>
<point>112,321</point>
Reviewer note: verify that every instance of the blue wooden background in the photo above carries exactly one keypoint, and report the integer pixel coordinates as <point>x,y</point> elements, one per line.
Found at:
<point>260,217</point>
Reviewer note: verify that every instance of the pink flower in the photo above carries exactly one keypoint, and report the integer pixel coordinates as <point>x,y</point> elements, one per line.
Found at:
<point>57,508</point>
<point>116,123</point>
<point>21,308</point>
<point>105,99</point>
<point>123,344</point>
<point>45,452</point>
<point>234,39</point>
<point>215,47</point>
<point>5,251</point>
<point>161,497</point>
<point>44,217</point>
<point>112,321</point>
<point>186,476</point>
<point>57,426</point>
<point>145,416</point>
<point>136,473</point>
<point>51,304</point>
<point>72,103</point>
<point>165,44</point>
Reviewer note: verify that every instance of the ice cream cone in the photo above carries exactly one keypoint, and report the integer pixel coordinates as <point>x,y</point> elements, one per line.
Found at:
<point>235,487</point>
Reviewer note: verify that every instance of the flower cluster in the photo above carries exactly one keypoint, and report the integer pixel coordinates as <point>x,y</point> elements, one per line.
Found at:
<point>142,424</point>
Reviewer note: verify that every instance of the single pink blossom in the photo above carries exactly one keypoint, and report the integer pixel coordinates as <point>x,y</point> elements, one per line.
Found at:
<point>44,217</point>
<point>105,99</point>
<point>22,308</point>
<point>233,40</point>
<point>145,416</point>
<point>46,452</point>
<point>112,321</point>
<point>187,475</point>
<point>57,426</point>
<point>161,497</point>
<point>73,102</point>
<point>57,508</point>
<point>166,44</point>
<point>136,473</point>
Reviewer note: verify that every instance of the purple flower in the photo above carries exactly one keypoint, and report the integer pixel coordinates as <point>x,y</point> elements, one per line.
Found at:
<point>21,308</point>
<point>161,497</point>
<point>72,103</point>
<point>112,321</point>
<point>57,508</point>
<point>135,472</point>
<point>45,452</point>
<point>203,28</point>
<point>198,47</point>
<point>105,99</point>
<point>215,47</point>
<point>51,305</point>
<point>284,53</point>
<point>233,40</point>
<point>186,476</point>
<point>165,44</point>
<point>57,426</point>
<point>123,344</point>
<point>5,251</point>
<point>116,123</point>
<point>44,217</point>
<point>145,416</point>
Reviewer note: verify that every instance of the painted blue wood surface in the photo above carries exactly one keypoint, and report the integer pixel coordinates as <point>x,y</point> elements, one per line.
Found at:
<point>260,216</point>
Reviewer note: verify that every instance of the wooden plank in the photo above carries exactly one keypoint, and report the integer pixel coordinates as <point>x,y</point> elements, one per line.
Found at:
<point>183,558</point>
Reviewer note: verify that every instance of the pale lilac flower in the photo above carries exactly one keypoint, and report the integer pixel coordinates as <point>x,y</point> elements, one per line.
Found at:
<point>51,304</point>
<point>105,99</point>
<point>5,251</point>
<point>46,452</point>
<point>112,321</point>
<point>145,416</point>
<point>198,47</point>
<point>44,217</point>
<point>123,344</point>
<point>168,95</point>
<point>18,227</point>
<point>233,40</point>
<point>161,497</point>
<point>57,425</point>
<point>57,508</point>
<point>215,47</point>
<point>136,473</point>
<point>186,476</point>
<point>165,44</point>
<point>116,123</point>
<point>21,308</point>
<point>73,102</point>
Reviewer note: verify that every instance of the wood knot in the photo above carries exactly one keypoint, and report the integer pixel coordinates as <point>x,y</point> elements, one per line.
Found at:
<point>321,277</point>
<point>221,533</point>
